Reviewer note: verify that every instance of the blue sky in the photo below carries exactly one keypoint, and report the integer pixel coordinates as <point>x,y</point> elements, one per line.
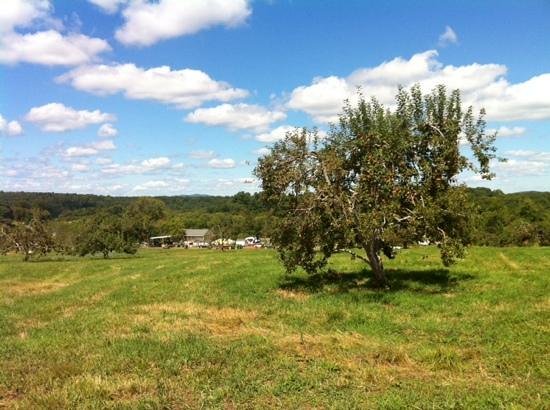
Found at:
<point>170,97</point>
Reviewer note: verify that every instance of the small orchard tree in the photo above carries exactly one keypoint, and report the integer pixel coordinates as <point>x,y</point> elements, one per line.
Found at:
<point>103,233</point>
<point>381,178</point>
<point>29,239</point>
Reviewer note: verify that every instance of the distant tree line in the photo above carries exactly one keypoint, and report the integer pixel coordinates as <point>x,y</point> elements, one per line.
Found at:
<point>38,223</point>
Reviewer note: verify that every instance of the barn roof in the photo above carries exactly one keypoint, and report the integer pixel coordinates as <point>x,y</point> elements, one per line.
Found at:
<point>196,232</point>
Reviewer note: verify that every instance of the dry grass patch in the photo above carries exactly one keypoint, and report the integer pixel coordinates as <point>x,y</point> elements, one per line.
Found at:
<point>22,289</point>
<point>70,311</point>
<point>296,296</point>
<point>510,263</point>
<point>120,388</point>
<point>168,318</point>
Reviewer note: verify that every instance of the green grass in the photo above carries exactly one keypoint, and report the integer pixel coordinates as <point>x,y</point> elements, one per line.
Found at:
<point>210,329</point>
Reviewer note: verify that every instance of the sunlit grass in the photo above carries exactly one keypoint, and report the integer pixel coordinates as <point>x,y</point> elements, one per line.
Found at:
<point>210,329</point>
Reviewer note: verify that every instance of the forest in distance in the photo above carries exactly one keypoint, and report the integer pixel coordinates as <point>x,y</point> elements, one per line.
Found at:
<point>515,219</point>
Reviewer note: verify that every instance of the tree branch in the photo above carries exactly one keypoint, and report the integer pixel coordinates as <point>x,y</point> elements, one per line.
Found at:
<point>355,255</point>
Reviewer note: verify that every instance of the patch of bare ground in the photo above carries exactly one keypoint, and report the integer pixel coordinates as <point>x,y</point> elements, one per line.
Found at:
<point>8,399</point>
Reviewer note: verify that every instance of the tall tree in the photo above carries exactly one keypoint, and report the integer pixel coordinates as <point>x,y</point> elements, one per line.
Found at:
<point>141,215</point>
<point>103,233</point>
<point>381,178</point>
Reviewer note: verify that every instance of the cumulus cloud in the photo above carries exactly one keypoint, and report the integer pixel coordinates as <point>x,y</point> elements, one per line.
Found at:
<point>518,167</point>
<point>150,185</point>
<point>236,116</point>
<point>11,128</point>
<point>280,132</point>
<point>80,167</point>
<point>184,88</point>
<point>147,22</point>
<point>21,13</point>
<point>56,117</point>
<point>504,131</point>
<point>447,37</point>
<point>80,152</point>
<point>202,154</point>
<point>103,161</point>
<point>155,163</point>
<point>275,134</point>
<point>109,6</point>
<point>143,167</point>
<point>262,151</point>
<point>543,156</point>
<point>89,150</point>
<point>47,47</point>
<point>221,163</point>
<point>482,85</point>
<point>50,48</point>
<point>107,131</point>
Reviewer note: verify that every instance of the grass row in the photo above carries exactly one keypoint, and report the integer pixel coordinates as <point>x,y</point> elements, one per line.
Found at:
<point>209,329</point>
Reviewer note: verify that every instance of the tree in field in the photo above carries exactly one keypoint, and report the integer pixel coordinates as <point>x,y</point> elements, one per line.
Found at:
<point>103,233</point>
<point>381,178</point>
<point>29,239</point>
<point>141,215</point>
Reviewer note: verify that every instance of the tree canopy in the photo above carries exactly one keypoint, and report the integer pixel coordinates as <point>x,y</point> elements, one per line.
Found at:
<point>382,177</point>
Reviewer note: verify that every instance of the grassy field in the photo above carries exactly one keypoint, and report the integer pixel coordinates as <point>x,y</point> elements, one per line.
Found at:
<point>206,329</point>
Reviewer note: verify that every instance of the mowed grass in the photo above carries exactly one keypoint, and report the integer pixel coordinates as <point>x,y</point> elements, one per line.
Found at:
<point>211,329</point>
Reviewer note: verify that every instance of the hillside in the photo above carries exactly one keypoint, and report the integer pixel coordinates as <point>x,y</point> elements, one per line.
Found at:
<point>211,329</point>
<point>503,219</point>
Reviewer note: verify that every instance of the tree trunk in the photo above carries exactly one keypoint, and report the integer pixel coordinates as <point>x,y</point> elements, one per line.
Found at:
<point>375,262</point>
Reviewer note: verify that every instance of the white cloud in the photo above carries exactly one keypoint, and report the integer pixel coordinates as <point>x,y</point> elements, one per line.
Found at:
<point>221,163</point>
<point>149,22</point>
<point>543,156</point>
<point>323,99</point>
<point>56,117</point>
<point>107,131</point>
<point>12,128</point>
<point>50,48</point>
<point>109,6</point>
<point>145,166</point>
<point>80,152</point>
<point>185,88</point>
<point>275,134</point>
<point>262,151</point>
<point>516,168</point>
<point>80,167</point>
<point>236,116</point>
<point>482,85</point>
<point>89,150</point>
<point>106,145</point>
<point>447,37</point>
<point>155,163</point>
<point>21,13</point>
<point>202,154</point>
<point>10,173</point>
<point>150,185</point>
<point>504,131</point>
<point>103,161</point>
<point>280,132</point>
